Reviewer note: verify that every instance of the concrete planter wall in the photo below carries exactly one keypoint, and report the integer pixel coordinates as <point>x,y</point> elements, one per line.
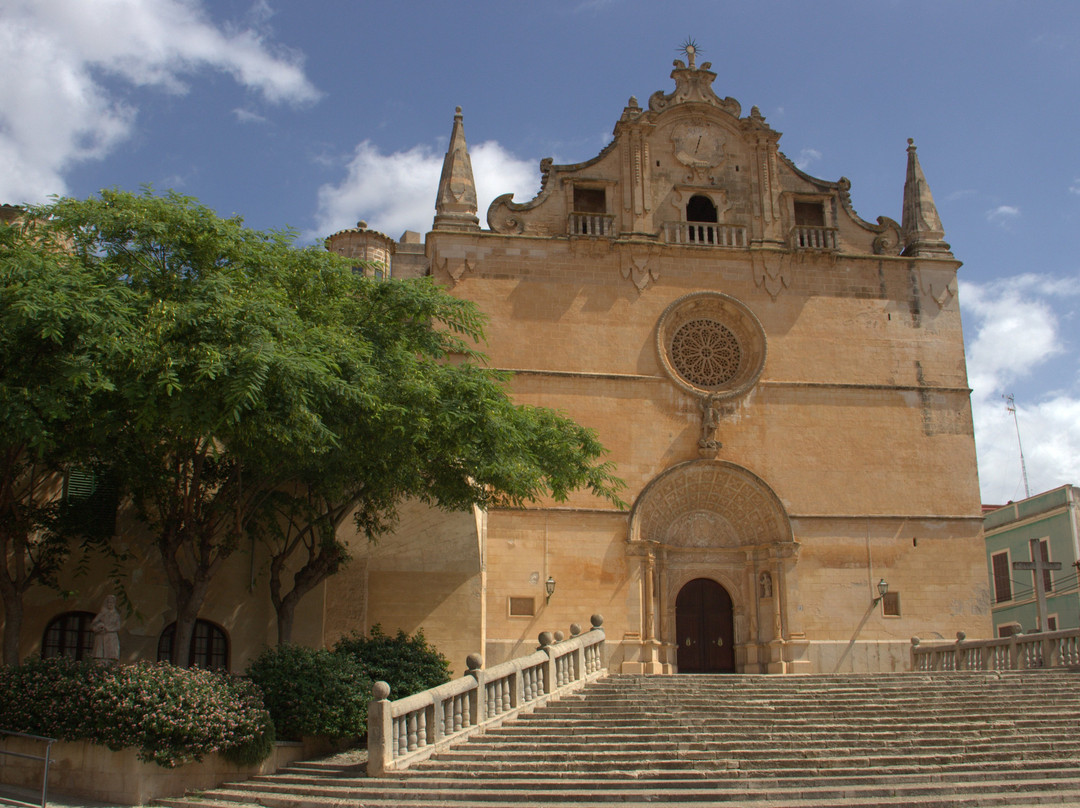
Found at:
<point>90,771</point>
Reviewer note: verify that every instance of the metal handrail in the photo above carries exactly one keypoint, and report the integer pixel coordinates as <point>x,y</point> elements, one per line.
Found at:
<point>48,747</point>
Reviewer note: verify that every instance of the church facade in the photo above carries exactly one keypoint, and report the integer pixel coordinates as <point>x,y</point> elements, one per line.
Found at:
<point>781,384</point>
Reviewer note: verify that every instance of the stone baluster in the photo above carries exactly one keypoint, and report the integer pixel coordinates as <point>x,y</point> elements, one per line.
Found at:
<point>579,653</point>
<point>477,702</point>
<point>380,728</point>
<point>550,673</point>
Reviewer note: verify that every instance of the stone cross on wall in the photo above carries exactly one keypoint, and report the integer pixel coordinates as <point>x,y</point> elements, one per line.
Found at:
<point>1038,565</point>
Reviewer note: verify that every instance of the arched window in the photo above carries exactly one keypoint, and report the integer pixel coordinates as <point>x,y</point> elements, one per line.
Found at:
<point>700,209</point>
<point>209,646</point>
<point>68,635</point>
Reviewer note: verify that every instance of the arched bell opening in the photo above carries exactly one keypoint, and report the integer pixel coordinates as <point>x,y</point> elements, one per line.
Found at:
<point>701,209</point>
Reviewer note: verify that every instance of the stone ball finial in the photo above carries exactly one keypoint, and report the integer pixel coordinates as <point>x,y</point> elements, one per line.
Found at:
<point>633,102</point>
<point>545,639</point>
<point>559,636</point>
<point>597,620</point>
<point>961,636</point>
<point>474,662</point>
<point>915,641</point>
<point>575,629</point>
<point>457,110</point>
<point>380,690</point>
<point>361,225</point>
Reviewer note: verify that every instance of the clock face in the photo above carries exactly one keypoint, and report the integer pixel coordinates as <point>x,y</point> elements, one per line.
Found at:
<point>698,145</point>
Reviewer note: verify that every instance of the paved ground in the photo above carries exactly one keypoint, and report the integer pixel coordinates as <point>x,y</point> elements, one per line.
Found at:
<point>31,798</point>
<point>12,797</point>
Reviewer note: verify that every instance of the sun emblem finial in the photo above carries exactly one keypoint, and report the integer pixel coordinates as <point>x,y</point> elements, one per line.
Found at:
<point>690,48</point>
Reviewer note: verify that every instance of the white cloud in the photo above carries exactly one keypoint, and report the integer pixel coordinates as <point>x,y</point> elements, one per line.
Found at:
<point>806,158</point>
<point>1075,187</point>
<point>1014,331</point>
<point>54,109</point>
<point>396,192</point>
<point>1002,215</point>
<point>247,116</point>
<point>961,194</point>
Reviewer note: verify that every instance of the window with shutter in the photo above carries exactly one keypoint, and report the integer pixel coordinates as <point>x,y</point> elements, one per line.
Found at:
<point>1002,579</point>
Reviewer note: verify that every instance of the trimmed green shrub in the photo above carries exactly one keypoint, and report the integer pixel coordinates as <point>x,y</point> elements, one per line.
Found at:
<point>312,692</point>
<point>171,715</point>
<point>408,664</point>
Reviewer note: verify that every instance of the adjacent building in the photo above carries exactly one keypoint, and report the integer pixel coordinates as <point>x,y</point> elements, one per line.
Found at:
<point>1052,519</point>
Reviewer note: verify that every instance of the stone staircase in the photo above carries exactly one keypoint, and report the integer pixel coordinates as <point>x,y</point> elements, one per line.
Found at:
<point>957,739</point>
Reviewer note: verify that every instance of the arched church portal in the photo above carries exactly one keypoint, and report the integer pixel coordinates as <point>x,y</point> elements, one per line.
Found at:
<point>704,628</point>
<point>715,559</point>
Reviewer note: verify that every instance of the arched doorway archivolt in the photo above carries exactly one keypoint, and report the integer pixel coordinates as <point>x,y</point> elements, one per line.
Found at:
<point>709,503</point>
<point>716,520</point>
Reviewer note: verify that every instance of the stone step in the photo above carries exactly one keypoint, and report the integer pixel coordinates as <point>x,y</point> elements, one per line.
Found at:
<point>462,793</point>
<point>750,761</point>
<point>639,729</point>
<point>1026,800</point>
<point>1049,767</point>
<point>722,746</point>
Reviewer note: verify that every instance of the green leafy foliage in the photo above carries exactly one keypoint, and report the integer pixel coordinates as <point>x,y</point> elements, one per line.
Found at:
<point>251,387</point>
<point>312,692</point>
<point>171,715</point>
<point>409,664</point>
<point>62,323</point>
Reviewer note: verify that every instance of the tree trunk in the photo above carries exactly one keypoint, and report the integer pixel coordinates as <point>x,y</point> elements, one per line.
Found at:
<point>286,611</point>
<point>188,605</point>
<point>13,615</point>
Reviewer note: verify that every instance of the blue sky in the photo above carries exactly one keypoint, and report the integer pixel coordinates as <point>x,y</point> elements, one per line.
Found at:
<point>316,114</point>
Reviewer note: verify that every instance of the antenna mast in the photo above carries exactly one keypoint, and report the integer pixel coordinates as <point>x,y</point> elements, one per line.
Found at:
<point>1011,407</point>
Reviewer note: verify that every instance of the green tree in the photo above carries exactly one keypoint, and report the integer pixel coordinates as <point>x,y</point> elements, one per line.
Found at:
<point>273,391</point>
<point>432,422</point>
<point>220,379</point>
<point>60,321</point>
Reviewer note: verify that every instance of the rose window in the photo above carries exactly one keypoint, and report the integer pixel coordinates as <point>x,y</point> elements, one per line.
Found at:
<point>711,344</point>
<point>705,353</point>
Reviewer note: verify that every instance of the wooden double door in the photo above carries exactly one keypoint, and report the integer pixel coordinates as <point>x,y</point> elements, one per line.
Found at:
<point>705,628</point>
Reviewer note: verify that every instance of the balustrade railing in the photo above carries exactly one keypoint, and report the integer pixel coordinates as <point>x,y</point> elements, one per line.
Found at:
<point>701,234</point>
<point>1048,649</point>
<point>592,224</point>
<point>409,730</point>
<point>804,237</point>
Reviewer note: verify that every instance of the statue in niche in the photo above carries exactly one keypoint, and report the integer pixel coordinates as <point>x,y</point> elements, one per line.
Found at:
<point>105,626</point>
<point>710,420</point>
<point>765,584</point>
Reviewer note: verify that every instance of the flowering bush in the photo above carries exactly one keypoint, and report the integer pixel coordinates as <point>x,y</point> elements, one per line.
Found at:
<point>171,715</point>
<point>408,664</point>
<point>312,692</point>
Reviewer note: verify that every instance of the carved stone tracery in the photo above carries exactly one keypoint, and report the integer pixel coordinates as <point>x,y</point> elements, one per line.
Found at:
<point>711,345</point>
<point>709,504</point>
<point>705,352</point>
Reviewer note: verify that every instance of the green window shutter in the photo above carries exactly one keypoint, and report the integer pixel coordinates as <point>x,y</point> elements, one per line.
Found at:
<point>80,485</point>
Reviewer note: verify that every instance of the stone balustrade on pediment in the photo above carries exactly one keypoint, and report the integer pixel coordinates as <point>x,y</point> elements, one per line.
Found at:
<point>704,234</point>
<point>591,224</point>
<point>805,237</point>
